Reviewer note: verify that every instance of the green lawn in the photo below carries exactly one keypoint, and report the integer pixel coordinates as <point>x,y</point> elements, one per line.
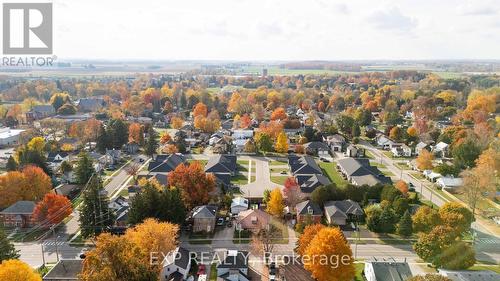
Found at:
<point>495,268</point>
<point>202,162</point>
<point>388,173</point>
<point>213,272</point>
<point>369,155</point>
<point>242,237</point>
<point>330,170</point>
<point>123,192</point>
<point>200,238</point>
<point>418,175</point>
<point>279,179</point>
<point>377,164</point>
<point>278,162</point>
<point>402,165</point>
<point>278,170</point>
<point>359,271</point>
<point>240,179</point>
<point>284,231</point>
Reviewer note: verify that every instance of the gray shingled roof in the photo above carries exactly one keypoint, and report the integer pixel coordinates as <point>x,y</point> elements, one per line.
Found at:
<point>391,271</point>
<point>166,163</point>
<point>303,165</point>
<point>205,211</point>
<point>221,164</point>
<point>343,208</point>
<point>65,270</point>
<point>308,183</point>
<point>20,207</point>
<point>303,207</point>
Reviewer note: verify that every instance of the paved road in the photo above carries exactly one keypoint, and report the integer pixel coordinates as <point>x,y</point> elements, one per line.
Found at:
<point>32,252</point>
<point>487,244</point>
<point>262,179</point>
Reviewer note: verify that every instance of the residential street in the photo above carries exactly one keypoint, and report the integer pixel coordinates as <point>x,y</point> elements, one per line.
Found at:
<point>262,179</point>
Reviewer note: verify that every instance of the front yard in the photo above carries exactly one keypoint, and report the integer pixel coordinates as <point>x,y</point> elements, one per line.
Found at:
<point>330,170</point>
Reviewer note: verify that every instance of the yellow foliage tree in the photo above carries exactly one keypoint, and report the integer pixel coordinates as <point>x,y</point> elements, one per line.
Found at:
<point>424,160</point>
<point>329,256</point>
<point>16,270</point>
<point>153,236</point>
<point>412,132</point>
<point>275,205</point>
<point>281,143</point>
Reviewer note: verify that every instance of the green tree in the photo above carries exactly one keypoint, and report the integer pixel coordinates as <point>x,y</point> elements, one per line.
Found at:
<point>466,153</point>
<point>95,215</point>
<point>59,99</point>
<point>84,168</point>
<point>387,220</point>
<point>401,205</point>
<point>67,109</point>
<point>103,141</point>
<point>118,133</point>
<point>151,144</point>
<point>429,277</point>
<point>266,196</point>
<point>7,249</point>
<point>458,256</point>
<point>356,131</point>
<point>264,142</point>
<point>430,245</point>
<point>405,228</point>
<point>11,164</point>
<point>373,213</point>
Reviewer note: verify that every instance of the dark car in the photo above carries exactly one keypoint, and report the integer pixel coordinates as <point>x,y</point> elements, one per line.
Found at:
<point>272,271</point>
<point>229,224</point>
<point>220,221</point>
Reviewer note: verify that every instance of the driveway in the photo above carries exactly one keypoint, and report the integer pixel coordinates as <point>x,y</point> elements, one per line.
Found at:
<point>262,179</point>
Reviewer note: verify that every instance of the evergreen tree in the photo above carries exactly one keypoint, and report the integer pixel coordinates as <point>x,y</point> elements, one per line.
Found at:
<point>387,220</point>
<point>95,215</point>
<point>405,227</point>
<point>152,143</point>
<point>103,141</point>
<point>7,249</point>
<point>183,100</point>
<point>118,133</point>
<point>84,168</point>
<point>356,131</point>
<point>164,205</point>
<point>11,164</point>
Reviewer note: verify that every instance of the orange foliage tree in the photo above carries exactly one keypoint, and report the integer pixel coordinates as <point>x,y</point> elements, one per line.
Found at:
<point>307,236</point>
<point>402,186</point>
<point>176,122</point>
<point>194,183</point>
<point>279,114</point>
<point>164,138</point>
<point>136,133</point>
<point>52,209</point>
<point>330,243</point>
<point>424,160</point>
<point>200,109</point>
<point>30,184</point>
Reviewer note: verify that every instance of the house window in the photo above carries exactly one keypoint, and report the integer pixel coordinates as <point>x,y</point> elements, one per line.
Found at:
<point>309,210</point>
<point>254,220</point>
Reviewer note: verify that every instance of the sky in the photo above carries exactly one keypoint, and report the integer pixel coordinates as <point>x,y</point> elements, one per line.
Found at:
<point>276,30</point>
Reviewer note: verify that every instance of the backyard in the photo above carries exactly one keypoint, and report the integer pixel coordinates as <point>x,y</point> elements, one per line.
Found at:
<point>330,170</point>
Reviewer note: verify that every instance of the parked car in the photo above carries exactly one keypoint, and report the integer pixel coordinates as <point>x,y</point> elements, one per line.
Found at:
<point>220,221</point>
<point>283,172</point>
<point>272,271</point>
<point>201,269</point>
<point>229,224</point>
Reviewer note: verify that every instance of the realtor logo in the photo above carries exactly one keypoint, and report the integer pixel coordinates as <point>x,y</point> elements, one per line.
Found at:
<point>27,28</point>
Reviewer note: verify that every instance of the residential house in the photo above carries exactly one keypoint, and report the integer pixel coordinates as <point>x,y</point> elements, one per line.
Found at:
<point>113,156</point>
<point>204,218</point>
<point>318,148</point>
<point>239,204</point>
<point>308,209</point>
<point>176,265</point>
<point>234,267</point>
<point>387,271</point>
<point>335,142</point>
<point>303,165</point>
<point>19,214</point>
<point>431,175</point>
<point>9,136</point>
<point>441,149</point>
<point>68,190</point>
<point>120,207</point>
<point>223,167</point>
<point>470,275</point>
<point>309,183</point>
<point>90,104</point>
<point>354,151</point>
<point>401,151</point>
<point>342,212</point>
<point>449,183</point>
<point>39,112</point>
<point>242,134</point>
<point>293,271</point>
<point>56,157</point>
<point>421,145</point>
<point>166,163</point>
<point>359,172</point>
<point>224,145</point>
<point>65,270</point>
<point>131,147</point>
<point>384,142</point>
<point>253,219</point>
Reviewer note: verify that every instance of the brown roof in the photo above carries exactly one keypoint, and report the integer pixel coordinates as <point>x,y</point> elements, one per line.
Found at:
<point>251,219</point>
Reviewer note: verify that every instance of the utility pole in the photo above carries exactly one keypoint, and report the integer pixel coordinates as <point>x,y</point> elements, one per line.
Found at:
<point>55,240</point>
<point>43,255</point>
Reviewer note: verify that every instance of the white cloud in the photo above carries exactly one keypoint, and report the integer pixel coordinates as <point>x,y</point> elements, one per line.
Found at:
<point>275,29</point>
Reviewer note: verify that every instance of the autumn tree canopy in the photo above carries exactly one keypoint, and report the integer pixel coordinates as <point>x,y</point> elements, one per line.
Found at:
<point>52,209</point>
<point>194,183</point>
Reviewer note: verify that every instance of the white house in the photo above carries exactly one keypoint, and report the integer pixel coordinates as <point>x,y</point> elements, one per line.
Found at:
<point>176,265</point>
<point>238,205</point>
<point>421,145</point>
<point>384,142</point>
<point>401,151</point>
<point>9,136</point>
<point>449,183</point>
<point>242,134</point>
<point>431,175</point>
<point>441,149</point>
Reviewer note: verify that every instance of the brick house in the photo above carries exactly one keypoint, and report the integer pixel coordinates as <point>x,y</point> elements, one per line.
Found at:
<point>308,209</point>
<point>19,214</point>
